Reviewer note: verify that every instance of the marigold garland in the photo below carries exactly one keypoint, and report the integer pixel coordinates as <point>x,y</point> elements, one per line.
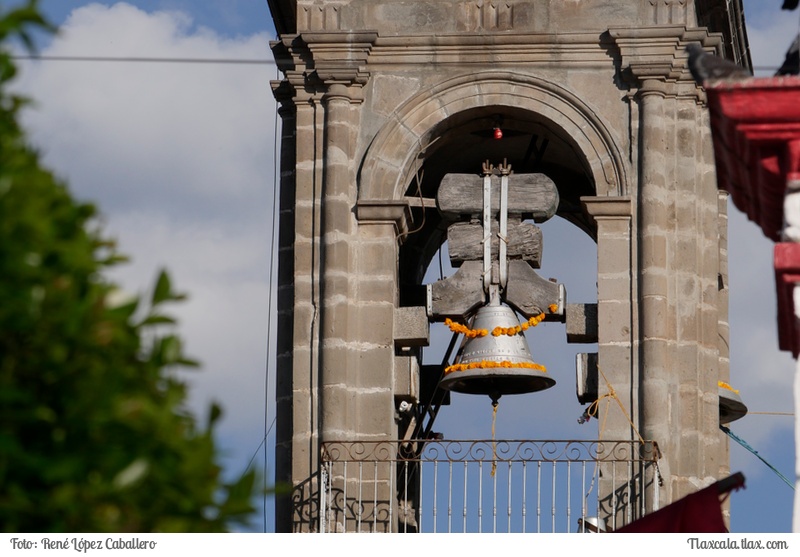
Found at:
<point>464,330</point>
<point>532,322</point>
<point>497,331</point>
<point>724,385</point>
<point>489,364</point>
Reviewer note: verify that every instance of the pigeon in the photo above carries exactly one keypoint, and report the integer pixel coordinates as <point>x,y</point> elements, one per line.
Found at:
<point>791,65</point>
<point>705,66</point>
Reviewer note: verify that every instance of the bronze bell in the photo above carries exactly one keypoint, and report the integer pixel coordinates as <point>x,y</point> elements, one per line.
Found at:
<point>495,364</point>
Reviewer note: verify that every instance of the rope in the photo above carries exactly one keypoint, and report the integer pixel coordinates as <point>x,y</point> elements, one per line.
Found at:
<point>744,444</point>
<point>612,394</point>
<point>591,411</point>
<point>495,404</point>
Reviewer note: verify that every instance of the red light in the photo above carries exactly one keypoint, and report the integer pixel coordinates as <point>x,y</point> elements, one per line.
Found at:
<point>498,133</point>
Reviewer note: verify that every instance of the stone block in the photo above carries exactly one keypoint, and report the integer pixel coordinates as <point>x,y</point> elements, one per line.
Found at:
<point>371,368</point>
<point>377,288</point>
<point>299,375</point>
<point>586,377</point>
<point>378,258</point>
<point>614,286</point>
<point>338,214</point>
<point>411,326</point>
<point>656,253</point>
<point>302,411</point>
<point>613,321</point>
<point>406,377</point>
<point>418,123</point>
<point>337,412</point>
<point>581,323</point>
<point>375,323</point>
<point>391,91</point>
<point>339,255</point>
<point>375,411</point>
<point>692,454</point>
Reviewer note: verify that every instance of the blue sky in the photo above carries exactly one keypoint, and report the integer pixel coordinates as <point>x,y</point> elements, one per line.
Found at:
<point>179,159</point>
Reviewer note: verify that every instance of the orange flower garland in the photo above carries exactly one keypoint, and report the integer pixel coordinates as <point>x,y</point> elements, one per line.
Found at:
<point>497,331</point>
<point>489,364</point>
<point>532,322</point>
<point>464,330</point>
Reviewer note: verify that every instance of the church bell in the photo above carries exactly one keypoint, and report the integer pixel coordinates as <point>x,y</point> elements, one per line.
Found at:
<point>495,359</point>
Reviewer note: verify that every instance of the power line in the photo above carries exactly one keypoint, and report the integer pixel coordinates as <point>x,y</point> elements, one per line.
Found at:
<point>144,59</point>
<point>147,59</point>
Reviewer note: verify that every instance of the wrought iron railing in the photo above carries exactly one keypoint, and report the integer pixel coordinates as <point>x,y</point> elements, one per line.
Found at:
<point>485,486</point>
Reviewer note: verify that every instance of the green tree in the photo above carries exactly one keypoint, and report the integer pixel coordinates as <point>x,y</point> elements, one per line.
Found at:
<point>94,432</point>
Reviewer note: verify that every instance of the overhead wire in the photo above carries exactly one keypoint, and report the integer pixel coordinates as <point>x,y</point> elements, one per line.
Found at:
<point>181,60</point>
<point>272,257</point>
<point>142,59</point>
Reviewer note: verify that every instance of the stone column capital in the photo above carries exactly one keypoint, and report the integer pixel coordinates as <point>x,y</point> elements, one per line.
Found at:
<point>607,207</point>
<point>653,86</point>
<point>284,93</point>
<point>342,90</point>
<point>338,57</point>
<point>654,60</point>
<point>380,211</point>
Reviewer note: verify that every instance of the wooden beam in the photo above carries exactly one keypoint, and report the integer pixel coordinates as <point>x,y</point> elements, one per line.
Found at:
<point>524,242</point>
<point>529,195</point>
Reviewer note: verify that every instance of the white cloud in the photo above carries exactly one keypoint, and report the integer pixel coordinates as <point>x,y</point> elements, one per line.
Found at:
<point>179,159</point>
<point>154,134</point>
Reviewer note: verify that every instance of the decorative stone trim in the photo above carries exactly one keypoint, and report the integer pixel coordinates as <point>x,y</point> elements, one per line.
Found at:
<point>610,206</point>
<point>389,162</point>
<point>380,211</point>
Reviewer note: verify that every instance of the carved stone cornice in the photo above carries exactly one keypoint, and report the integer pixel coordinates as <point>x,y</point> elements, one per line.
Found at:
<point>340,57</point>
<point>608,206</point>
<point>513,50</point>
<point>382,211</point>
<point>290,53</point>
<point>314,62</point>
<point>604,208</point>
<point>658,52</point>
<point>284,92</point>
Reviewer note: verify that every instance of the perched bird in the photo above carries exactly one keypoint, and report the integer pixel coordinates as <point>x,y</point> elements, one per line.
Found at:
<point>791,65</point>
<point>705,66</point>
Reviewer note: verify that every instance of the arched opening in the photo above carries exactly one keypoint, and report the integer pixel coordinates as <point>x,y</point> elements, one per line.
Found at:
<point>531,143</point>
<point>451,129</point>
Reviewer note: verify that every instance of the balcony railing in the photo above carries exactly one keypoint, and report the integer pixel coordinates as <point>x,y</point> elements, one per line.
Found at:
<point>485,486</point>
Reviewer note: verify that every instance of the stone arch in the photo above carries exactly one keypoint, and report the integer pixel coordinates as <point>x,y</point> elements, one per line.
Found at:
<point>389,162</point>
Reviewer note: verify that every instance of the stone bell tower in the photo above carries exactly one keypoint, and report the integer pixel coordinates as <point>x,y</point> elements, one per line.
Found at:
<point>381,99</point>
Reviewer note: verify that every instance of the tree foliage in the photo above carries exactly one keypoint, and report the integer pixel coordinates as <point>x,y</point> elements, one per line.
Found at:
<point>94,433</point>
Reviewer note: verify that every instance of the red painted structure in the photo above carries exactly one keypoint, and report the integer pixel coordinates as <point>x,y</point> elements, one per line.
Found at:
<point>756,128</point>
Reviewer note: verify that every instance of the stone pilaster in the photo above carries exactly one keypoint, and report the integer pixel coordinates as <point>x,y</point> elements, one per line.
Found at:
<point>679,265</point>
<point>284,383</point>
<point>615,310</point>
<point>618,381</point>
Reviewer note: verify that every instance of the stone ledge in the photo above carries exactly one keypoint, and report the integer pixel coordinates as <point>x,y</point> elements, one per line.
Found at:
<point>379,211</point>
